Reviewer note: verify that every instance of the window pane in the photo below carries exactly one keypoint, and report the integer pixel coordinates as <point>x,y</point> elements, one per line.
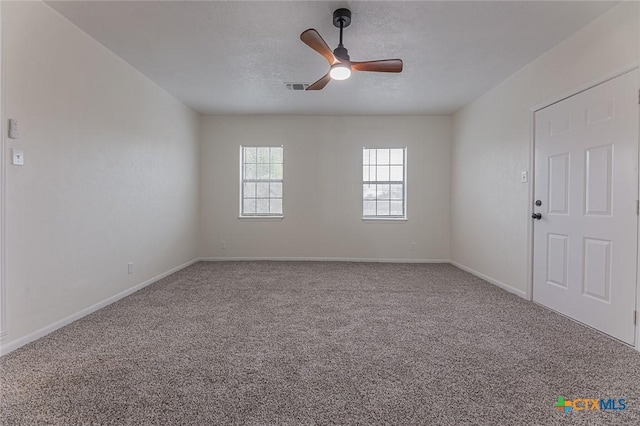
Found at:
<point>276,171</point>
<point>249,171</point>
<point>249,155</point>
<point>369,208</point>
<point>276,154</point>
<point>383,173</point>
<point>397,192</point>
<point>369,192</point>
<point>262,171</point>
<point>365,156</point>
<point>372,156</point>
<point>263,155</point>
<point>262,189</point>
<point>249,190</point>
<point>396,208</point>
<point>262,206</point>
<point>249,206</point>
<point>383,156</point>
<point>383,192</point>
<point>275,190</point>
<point>365,173</point>
<point>397,173</point>
<point>275,206</point>
<point>397,156</point>
<point>383,208</point>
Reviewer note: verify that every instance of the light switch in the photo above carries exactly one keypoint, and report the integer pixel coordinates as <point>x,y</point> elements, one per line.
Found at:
<point>18,157</point>
<point>524,176</point>
<point>13,129</point>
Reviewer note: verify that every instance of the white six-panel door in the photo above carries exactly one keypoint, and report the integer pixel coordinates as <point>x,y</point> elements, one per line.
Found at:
<point>586,180</point>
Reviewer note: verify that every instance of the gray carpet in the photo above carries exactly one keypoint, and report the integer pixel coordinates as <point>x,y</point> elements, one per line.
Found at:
<point>318,343</point>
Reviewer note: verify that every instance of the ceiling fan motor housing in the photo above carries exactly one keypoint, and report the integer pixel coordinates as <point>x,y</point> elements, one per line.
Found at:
<point>341,53</point>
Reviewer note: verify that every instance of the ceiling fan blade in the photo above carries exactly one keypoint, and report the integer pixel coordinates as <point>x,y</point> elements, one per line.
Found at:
<point>385,65</point>
<point>312,39</point>
<point>320,83</point>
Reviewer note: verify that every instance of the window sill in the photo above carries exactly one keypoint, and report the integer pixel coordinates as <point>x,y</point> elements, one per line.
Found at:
<point>262,218</point>
<point>384,219</point>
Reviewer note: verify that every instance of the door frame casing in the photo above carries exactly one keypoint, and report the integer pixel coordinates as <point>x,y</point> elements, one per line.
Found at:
<point>531,188</point>
<point>3,185</point>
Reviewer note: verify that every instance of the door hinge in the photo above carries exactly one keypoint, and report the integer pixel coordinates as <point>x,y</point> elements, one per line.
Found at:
<point>635,317</point>
<point>637,207</point>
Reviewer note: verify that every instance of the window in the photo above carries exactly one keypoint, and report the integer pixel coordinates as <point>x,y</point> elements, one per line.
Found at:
<point>261,180</point>
<point>383,183</point>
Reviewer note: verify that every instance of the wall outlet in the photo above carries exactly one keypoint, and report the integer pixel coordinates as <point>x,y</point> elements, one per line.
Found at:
<point>413,246</point>
<point>130,268</point>
<point>223,245</point>
<point>17,157</point>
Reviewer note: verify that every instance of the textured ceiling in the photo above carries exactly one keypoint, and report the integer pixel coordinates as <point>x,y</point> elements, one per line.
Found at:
<point>234,57</point>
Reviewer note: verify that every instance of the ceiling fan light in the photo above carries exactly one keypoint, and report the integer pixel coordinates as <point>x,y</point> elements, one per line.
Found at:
<point>340,71</point>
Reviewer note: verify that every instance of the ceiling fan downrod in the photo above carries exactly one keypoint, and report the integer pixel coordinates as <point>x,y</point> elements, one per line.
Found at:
<point>341,19</point>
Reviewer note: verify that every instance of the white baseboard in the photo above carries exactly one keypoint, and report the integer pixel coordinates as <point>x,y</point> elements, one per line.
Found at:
<point>321,259</point>
<point>5,348</point>
<point>493,281</point>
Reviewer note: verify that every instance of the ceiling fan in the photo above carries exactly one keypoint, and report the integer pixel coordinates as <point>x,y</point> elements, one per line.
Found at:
<point>341,64</point>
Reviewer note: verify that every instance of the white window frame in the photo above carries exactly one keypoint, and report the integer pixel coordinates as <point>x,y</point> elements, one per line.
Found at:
<point>404,183</point>
<point>243,215</point>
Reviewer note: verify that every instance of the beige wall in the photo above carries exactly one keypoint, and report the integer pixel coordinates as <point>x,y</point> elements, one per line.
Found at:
<point>111,173</point>
<point>490,211</point>
<point>323,188</point>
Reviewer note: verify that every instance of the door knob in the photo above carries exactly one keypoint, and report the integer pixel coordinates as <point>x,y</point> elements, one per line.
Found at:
<point>536,216</point>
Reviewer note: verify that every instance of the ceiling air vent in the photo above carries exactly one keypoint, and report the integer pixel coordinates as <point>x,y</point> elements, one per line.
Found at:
<point>296,86</point>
